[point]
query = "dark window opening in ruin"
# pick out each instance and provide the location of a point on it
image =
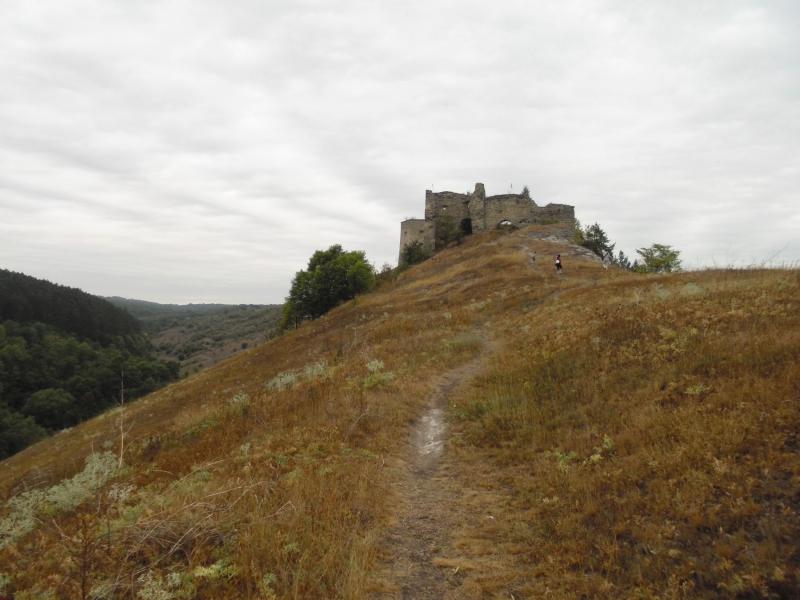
(466, 226)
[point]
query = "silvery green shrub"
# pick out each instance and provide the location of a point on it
(23, 510)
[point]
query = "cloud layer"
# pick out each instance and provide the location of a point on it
(200, 151)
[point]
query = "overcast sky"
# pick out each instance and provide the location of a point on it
(195, 151)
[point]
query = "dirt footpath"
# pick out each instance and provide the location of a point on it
(428, 512)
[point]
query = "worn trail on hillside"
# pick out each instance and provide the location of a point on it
(428, 493)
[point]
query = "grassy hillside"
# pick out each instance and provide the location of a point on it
(201, 335)
(640, 438)
(611, 435)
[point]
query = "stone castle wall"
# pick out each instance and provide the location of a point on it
(417, 230)
(516, 208)
(479, 213)
(555, 212)
(448, 204)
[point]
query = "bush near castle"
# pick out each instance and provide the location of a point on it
(332, 277)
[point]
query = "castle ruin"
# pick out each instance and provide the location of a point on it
(476, 212)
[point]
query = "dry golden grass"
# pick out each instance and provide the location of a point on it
(238, 486)
(644, 435)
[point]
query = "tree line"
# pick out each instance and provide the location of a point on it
(25, 299)
(657, 258)
(62, 356)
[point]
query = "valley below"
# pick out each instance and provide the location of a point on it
(201, 335)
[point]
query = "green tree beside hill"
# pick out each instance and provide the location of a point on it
(17, 431)
(448, 231)
(50, 407)
(333, 276)
(659, 258)
(596, 240)
(413, 253)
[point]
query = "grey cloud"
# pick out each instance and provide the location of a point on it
(204, 150)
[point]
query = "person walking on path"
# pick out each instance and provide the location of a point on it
(558, 263)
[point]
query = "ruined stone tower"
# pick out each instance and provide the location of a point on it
(476, 212)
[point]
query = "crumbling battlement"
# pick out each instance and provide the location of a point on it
(473, 212)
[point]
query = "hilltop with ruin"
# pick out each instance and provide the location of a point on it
(474, 212)
(477, 426)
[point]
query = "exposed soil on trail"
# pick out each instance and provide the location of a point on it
(428, 492)
(424, 554)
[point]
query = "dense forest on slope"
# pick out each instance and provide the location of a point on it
(63, 354)
(201, 335)
(24, 298)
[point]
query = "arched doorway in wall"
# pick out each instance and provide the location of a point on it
(466, 226)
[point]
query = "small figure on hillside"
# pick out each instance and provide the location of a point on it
(558, 263)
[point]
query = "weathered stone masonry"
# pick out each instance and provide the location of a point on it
(476, 212)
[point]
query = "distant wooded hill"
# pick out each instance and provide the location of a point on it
(201, 335)
(24, 299)
(63, 353)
